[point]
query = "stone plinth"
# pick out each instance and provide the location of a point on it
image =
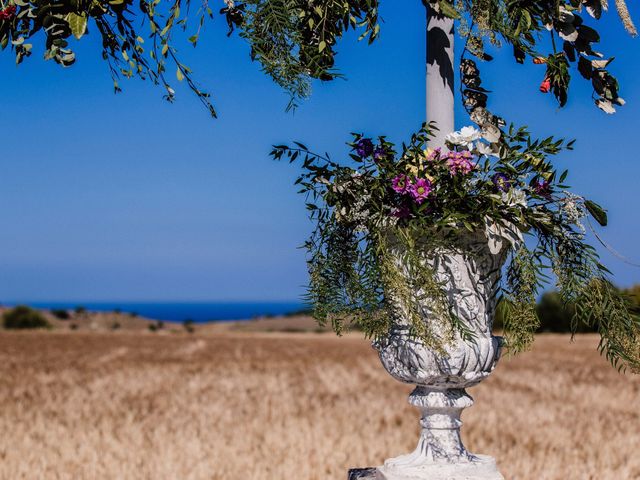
(481, 467)
(364, 474)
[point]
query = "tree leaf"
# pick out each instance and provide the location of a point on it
(77, 24)
(597, 212)
(448, 10)
(585, 68)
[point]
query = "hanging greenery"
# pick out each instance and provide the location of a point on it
(137, 37)
(295, 40)
(382, 193)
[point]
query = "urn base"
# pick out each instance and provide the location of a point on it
(481, 468)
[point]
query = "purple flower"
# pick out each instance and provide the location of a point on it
(502, 182)
(401, 184)
(401, 212)
(364, 147)
(460, 163)
(542, 188)
(420, 190)
(380, 153)
(433, 154)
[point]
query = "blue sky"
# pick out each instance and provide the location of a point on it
(126, 197)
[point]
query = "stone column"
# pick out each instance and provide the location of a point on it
(440, 77)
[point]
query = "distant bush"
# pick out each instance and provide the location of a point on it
(633, 295)
(188, 325)
(155, 326)
(556, 316)
(115, 326)
(305, 312)
(61, 314)
(23, 317)
(80, 310)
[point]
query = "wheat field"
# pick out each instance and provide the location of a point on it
(252, 406)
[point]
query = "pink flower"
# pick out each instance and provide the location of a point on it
(545, 86)
(460, 163)
(401, 184)
(420, 190)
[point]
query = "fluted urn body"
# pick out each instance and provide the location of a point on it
(469, 273)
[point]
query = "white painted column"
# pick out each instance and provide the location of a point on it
(440, 75)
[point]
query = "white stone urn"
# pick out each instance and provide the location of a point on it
(470, 274)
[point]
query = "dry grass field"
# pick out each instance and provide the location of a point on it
(255, 406)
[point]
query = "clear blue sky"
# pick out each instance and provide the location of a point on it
(126, 197)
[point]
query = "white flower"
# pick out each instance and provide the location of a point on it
(514, 198)
(484, 149)
(471, 133)
(573, 209)
(465, 137)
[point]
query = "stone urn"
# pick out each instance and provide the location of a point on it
(470, 274)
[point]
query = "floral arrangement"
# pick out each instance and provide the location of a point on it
(414, 190)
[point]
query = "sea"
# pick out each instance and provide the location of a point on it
(198, 312)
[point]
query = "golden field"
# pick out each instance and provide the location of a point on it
(253, 406)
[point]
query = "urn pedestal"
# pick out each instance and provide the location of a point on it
(470, 274)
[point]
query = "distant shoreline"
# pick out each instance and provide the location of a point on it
(83, 319)
(178, 312)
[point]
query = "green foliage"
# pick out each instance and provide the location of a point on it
(557, 316)
(23, 317)
(633, 295)
(599, 305)
(295, 40)
(519, 301)
(597, 212)
(344, 277)
(121, 24)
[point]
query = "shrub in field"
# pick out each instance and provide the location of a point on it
(61, 314)
(23, 317)
(188, 325)
(155, 326)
